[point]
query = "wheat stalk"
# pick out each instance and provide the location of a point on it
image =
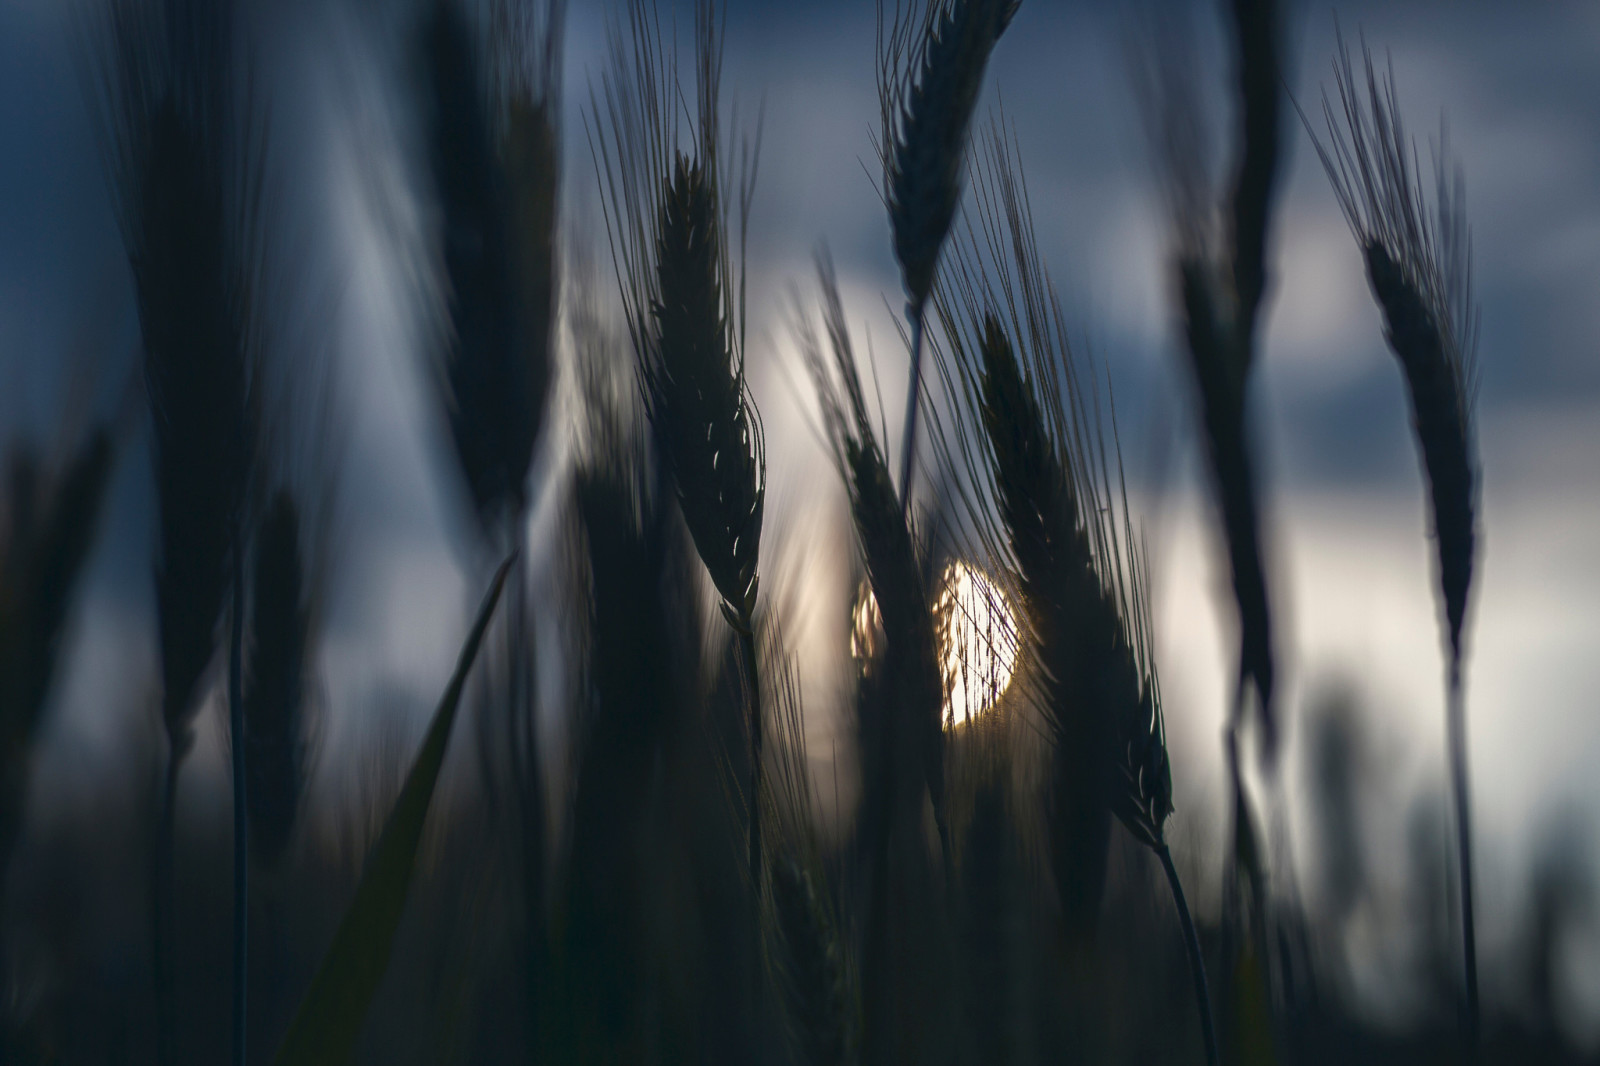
(637, 607)
(1069, 541)
(187, 189)
(1220, 282)
(668, 222)
(930, 69)
(275, 739)
(1420, 271)
(902, 706)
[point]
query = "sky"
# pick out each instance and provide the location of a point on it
(1351, 566)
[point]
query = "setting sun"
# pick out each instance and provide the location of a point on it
(977, 639)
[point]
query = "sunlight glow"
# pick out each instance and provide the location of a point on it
(977, 636)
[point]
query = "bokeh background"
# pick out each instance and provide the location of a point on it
(1519, 86)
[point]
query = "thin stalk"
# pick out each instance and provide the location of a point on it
(1196, 962)
(161, 891)
(908, 445)
(1456, 726)
(747, 651)
(241, 813)
(527, 771)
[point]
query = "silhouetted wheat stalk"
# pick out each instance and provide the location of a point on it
(903, 739)
(495, 162)
(275, 735)
(637, 603)
(1420, 270)
(667, 219)
(186, 168)
(1221, 292)
(1043, 458)
(930, 70)
(1221, 280)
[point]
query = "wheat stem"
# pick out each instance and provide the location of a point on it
(161, 891)
(908, 444)
(1197, 965)
(241, 812)
(747, 651)
(1456, 727)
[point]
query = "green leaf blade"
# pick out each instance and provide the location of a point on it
(330, 1017)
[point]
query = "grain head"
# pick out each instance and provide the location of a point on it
(1419, 264)
(931, 66)
(186, 181)
(1056, 522)
(482, 375)
(697, 396)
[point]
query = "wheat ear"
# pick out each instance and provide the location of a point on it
(930, 69)
(1420, 270)
(903, 738)
(1071, 546)
(711, 435)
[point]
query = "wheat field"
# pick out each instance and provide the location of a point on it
(884, 531)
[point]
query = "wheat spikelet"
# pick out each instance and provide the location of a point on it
(1064, 612)
(1217, 363)
(683, 293)
(46, 532)
(1042, 458)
